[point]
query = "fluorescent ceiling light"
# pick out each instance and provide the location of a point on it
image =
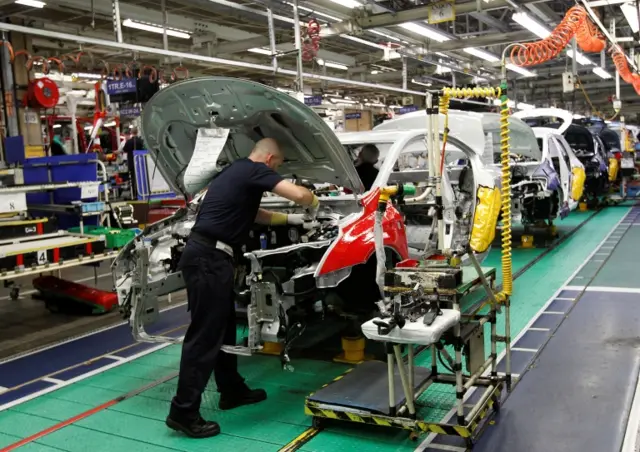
(374, 104)
(321, 62)
(261, 51)
(155, 29)
(348, 3)
(32, 3)
(416, 82)
(581, 59)
(520, 70)
(363, 41)
(343, 101)
(442, 69)
(375, 72)
(523, 106)
(601, 73)
(631, 14)
(531, 24)
(424, 31)
(482, 54)
(110, 124)
(605, 2)
(379, 33)
(316, 12)
(57, 126)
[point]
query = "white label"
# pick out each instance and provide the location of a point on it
(627, 163)
(31, 117)
(203, 163)
(42, 257)
(13, 202)
(89, 191)
(442, 12)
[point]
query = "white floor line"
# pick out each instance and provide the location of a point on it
(448, 448)
(82, 336)
(538, 329)
(601, 254)
(629, 443)
(554, 312)
(55, 381)
(597, 260)
(528, 350)
(574, 288)
(114, 357)
(613, 289)
(566, 299)
(427, 441)
(82, 377)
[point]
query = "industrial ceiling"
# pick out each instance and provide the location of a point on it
(380, 50)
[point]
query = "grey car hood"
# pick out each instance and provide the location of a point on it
(251, 111)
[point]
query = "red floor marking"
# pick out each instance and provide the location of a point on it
(60, 425)
(88, 413)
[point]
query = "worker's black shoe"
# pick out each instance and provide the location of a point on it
(242, 396)
(197, 428)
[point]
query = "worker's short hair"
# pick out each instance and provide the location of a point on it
(369, 153)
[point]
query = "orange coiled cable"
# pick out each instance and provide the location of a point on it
(575, 23)
(622, 66)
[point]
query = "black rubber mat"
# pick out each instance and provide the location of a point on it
(366, 388)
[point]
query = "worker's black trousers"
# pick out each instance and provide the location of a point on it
(209, 280)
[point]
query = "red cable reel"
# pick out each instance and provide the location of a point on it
(311, 41)
(42, 93)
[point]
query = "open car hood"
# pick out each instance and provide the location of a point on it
(536, 117)
(250, 111)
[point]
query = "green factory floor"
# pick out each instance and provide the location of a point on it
(137, 424)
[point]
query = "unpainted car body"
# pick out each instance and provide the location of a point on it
(536, 185)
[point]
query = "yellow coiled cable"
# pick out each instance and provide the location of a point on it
(447, 94)
(507, 270)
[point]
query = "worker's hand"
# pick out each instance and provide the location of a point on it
(312, 210)
(296, 219)
(302, 219)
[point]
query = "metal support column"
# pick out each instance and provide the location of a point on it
(165, 20)
(9, 98)
(298, 43)
(272, 40)
(404, 72)
(117, 25)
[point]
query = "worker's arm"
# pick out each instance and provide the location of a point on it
(295, 193)
(264, 216)
(299, 195)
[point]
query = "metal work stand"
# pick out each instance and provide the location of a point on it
(357, 395)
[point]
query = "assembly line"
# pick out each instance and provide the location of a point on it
(206, 253)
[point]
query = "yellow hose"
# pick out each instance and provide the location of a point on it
(507, 270)
(447, 94)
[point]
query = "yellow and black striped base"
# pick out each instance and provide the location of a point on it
(416, 425)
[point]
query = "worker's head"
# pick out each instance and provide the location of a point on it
(369, 154)
(268, 152)
(134, 131)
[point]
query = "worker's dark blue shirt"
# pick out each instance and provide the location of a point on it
(232, 201)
